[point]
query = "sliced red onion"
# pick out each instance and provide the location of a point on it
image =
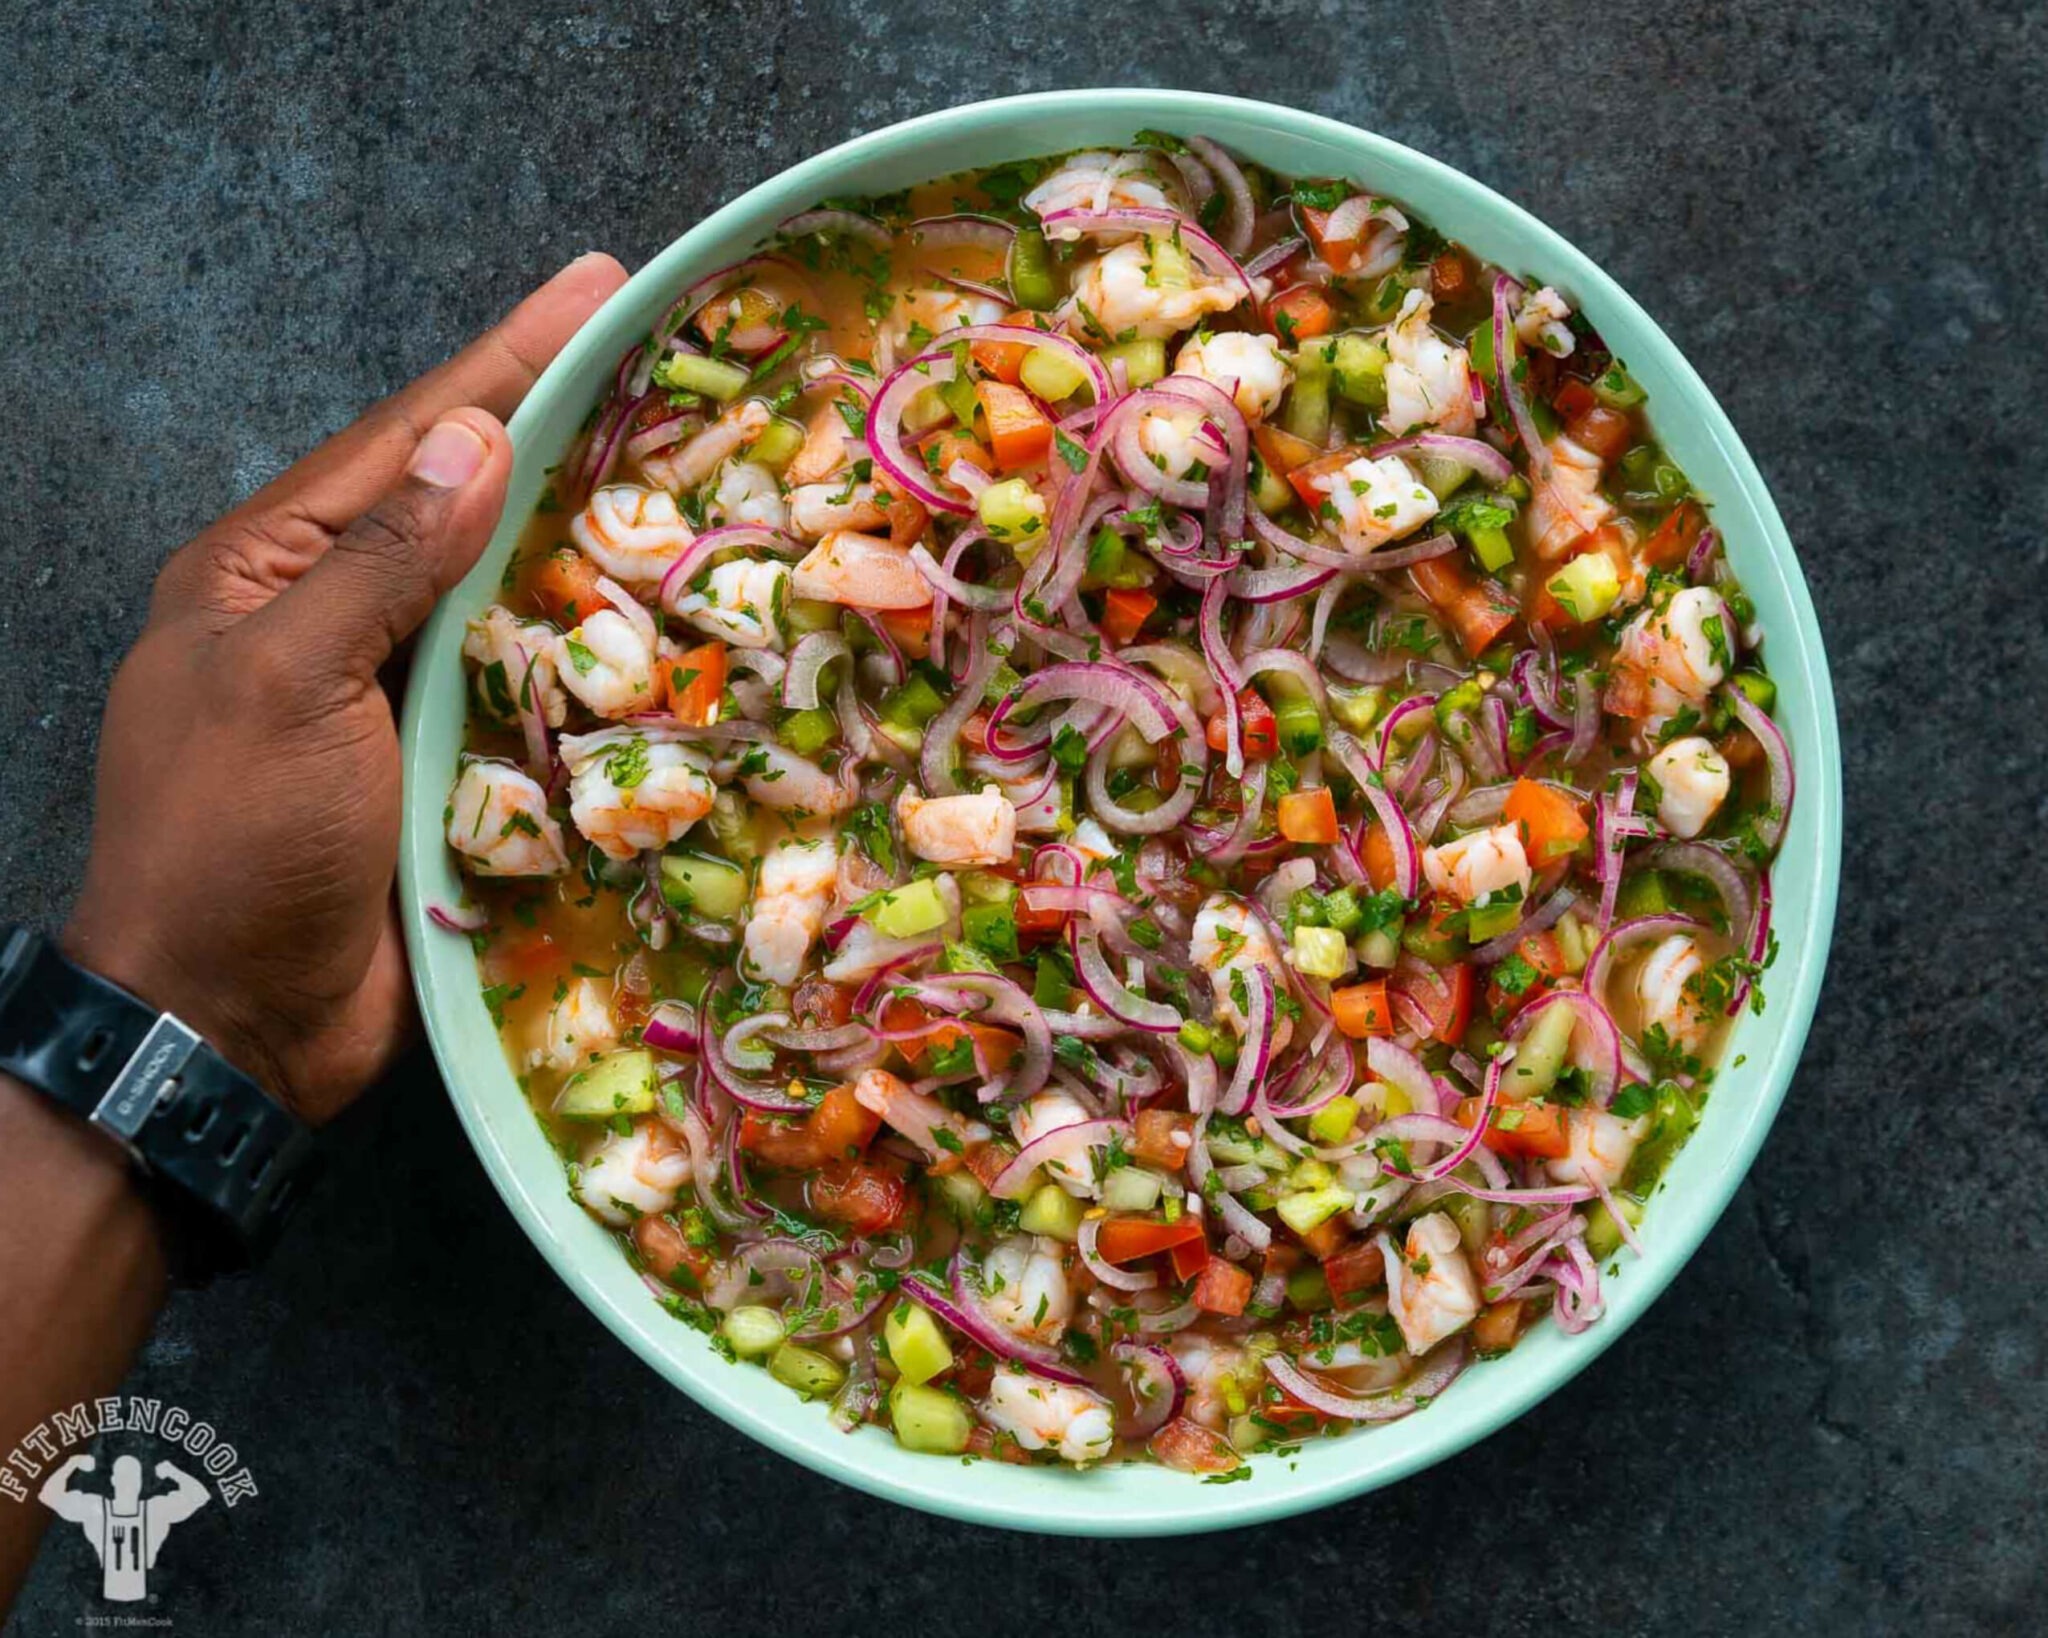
(1699, 562)
(1438, 1370)
(1475, 455)
(1275, 256)
(1158, 1387)
(1495, 951)
(1714, 866)
(1236, 234)
(1117, 1279)
(1053, 1145)
(1596, 1041)
(1613, 825)
(1255, 1051)
(737, 537)
(1759, 942)
(943, 580)
(734, 1082)
(836, 221)
(1237, 1217)
(468, 918)
(671, 1027)
(1770, 826)
(1624, 937)
(1002, 1002)
(962, 228)
(1505, 291)
(1108, 993)
(1400, 834)
(1159, 224)
(1399, 1067)
(963, 1309)
(807, 661)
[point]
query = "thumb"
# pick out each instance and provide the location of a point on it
(382, 576)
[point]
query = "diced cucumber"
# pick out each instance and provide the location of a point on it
(1295, 717)
(929, 1420)
(806, 614)
(1306, 413)
(1012, 511)
(1587, 587)
(1572, 943)
(1643, 894)
(812, 1374)
(1144, 361)
(1357, 708)
(1359, 365)
(808, 732)
(1273, 493)
(914, 704)
(619, 1083)
(1762, 692)
(985, 887)
(965, 958)
(1308, 1289)
(963, 1196)
(778, 445)
(1309, 1173)
(1603, 1234)
(703, 885)
(927, 409)
(1051, 1211)
(1131, 1188)
(1106, 556)
(1489, 921)
(1051, 374)
(1333, 1122)
(753, 1330)
(916, 1343)
(1540, 1056)
(1474, 1219)
(1388, 1099)
(1442, 477)
(958, 394)
(1617, 389)
(904, 912)
(1320, 952)
(1228, 1148)
(691, 372)
(1308, 1210)
(1169, 267)
(1381, 947)
(731, 823)
(1435, 944)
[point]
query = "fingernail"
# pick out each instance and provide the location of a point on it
(449, 455)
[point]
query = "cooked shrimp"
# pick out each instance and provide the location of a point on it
(1045, 1415)
(691, 462)
(860, 572)
(633, 789)
(747, 492)
(1247, 366)
(580, 1024)
(1026, 1282)
(1567, 502)
(1376, 501)
(779, 778)
(624, 1178)
(960, 830)
(1428, 378)
(817, 509)
(741, 600)
(1667, 992)
(1479, 864)
(791, 899)
(824, 451)
(1217, 1378)
(926, 312)
(1070, 1164)
(635, 535)
(1692, 783)
(1097, 181)
(1601, 1145)
(918, 1117)
(608, 663)
(522, 650)
(1431, 1291)
(1540, 322)
(1671, 658)
(498, 821)
(1175, 440)
(1231, 941)
(1129, 289)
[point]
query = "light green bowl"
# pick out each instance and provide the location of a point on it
(1137, 1500)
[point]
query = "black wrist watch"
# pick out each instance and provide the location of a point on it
(223, 1162)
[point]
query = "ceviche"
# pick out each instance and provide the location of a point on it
(1116, 809)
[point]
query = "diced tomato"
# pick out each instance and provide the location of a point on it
(988, 1161)
(1362, 1009)
(942, 449)
(838, 1128)
(910, 629)
(1377, 854)
(1548, 820)
(1040, 922)
(998, 1046)
(1326, 1239)
(1450, 1012)
(1606, 432)
(1304, 476)
(694, 682)
(1124, 611)
(1531, 1129)
(1126, 1239)
(566, 587)
(1540, 951)
(1188, 1258)
(1354, 1271)
(1572, 398)
(1223, 1288)
(667, 1251)
(1161, 1138)
(1281, 450)
(1309, 816)
(1188, 1447)
(1449, 277)
(1478, 611)
(820, 1004)
(1497, 1326)
(867, 1199)
(1004, 359)
(1256, 730)
(1672, 541)
(1018, 431)
(1301, 314)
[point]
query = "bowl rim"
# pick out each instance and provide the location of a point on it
(1100, 1503)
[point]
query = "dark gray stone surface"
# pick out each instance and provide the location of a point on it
(225, 229)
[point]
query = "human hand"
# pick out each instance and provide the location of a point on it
(245, 834)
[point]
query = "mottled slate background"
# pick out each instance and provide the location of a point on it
(224, 229)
